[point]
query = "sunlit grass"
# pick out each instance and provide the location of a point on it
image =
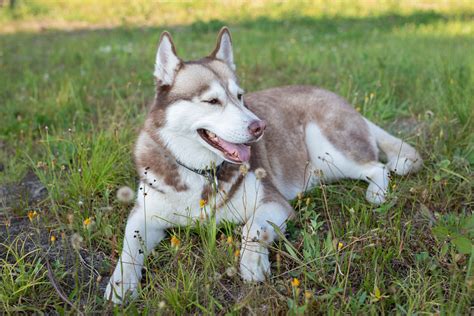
(71, 104)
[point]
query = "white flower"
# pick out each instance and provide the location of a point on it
(125, 194)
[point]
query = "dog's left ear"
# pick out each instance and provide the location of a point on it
(223, 50)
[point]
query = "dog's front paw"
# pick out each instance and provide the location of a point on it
(254, 264)
(121, 286)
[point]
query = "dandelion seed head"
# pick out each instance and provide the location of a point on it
(260, 173)
(76, 241)
(125, 194)
(231, 271)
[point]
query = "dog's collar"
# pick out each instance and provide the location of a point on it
(210, 174)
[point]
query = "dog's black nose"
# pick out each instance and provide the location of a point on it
(256, 128)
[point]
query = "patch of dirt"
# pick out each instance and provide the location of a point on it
(29, 189)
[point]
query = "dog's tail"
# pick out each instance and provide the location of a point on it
(401, 157)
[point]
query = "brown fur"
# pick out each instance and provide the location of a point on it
(291, 108)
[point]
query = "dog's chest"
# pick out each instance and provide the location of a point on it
(201, 198)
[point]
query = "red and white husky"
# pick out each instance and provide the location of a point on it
(201, 118)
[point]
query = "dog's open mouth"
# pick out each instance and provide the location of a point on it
(237, 153)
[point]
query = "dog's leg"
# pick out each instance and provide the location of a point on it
(401, 157)
(142, 234)
(257, 234)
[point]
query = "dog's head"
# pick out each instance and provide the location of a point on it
(199, 110)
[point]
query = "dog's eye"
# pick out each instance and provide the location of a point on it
(239, 96)
(213, 101)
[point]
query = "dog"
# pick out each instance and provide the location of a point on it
(203, 140)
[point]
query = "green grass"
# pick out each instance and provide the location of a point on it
(75, 81)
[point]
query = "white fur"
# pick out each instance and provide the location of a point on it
(229, 121)
(333, 165)
(166, 62)
(401, 157)
(159, 206)
(225, 52)
(154, 212)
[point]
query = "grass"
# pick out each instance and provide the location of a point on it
(75, 81)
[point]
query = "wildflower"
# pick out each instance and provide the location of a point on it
(76, 241)
(377, 295)
(300, 196)
(175, 242)
(308, 201)
(237, 253)
(52, 238)
(231, 271)
(340, 245)
(229, 240)
(216, 276)
(260, 173)
(70, 218)
(161, 305)
(125, 194)
(308, 295)
(202, 203)
(41, 165)
(80, 203)
(295, 282)
(243, 169)
(32, 215)
(87, 222)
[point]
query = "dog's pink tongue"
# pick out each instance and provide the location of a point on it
(240, 150)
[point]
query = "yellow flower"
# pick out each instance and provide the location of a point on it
(87, 222)
(52, 238)
(339, 246)
(229, 240)
(295, 282)
(237, 253)
(308, 295)
(175, 242)
(377, 295)
(202, 203)
(32, 215)
(243, 169)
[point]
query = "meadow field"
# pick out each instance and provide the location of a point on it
(75, 83)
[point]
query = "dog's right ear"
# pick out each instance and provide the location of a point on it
(167, 62)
